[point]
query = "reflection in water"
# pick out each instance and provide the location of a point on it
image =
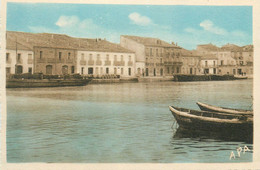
(117, 122)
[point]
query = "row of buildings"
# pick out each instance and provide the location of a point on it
(56, 54)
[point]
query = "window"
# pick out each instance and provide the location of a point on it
(30, 56)
(82, 56)
(160, 60)
(122, 57)
(82, 70)
(178, 70)
(72, 69)
(18, 56)
(151, 52)
(8, 70)
(40, 54)
(206, 63)
(60, 55)
(122, 71)
(7, 56)
(168, 70)
(107, 57)
(129, 71)
(130, 58)
(90, 56)
(157, 53)
(222, 62)
(29, 69)
(214, 63)
(107, 70)
(68, 55)
(115, 58)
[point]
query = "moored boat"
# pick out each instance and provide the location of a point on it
(240, 77)
(222, 125)
(207, 107)
(29, 83)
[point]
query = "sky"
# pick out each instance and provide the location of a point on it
(188, 26)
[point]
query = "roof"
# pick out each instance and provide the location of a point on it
(248, 48)
(27, 41)
(188, 53)
(149, 41)
(231, 47)
(208, 47)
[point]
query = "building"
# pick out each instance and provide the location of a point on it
(100, 57)
(208, 64)
(191, 62)
(154, 57)
(57, 54)
(232, 59)
(19, 56)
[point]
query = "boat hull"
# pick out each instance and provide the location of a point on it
(232, 131)
(207, 107)
(31, 83)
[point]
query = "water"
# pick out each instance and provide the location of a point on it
(117, 123)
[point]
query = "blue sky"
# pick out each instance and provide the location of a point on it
(186, 25)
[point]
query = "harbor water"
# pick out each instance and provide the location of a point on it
(118, 123)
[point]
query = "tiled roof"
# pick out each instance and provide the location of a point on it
(188, 53)
(231, 47)
(209, 47)
(148, 41)
(29, 40)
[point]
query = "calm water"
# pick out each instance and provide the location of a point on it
(117, 123)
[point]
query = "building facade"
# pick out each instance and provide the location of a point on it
(102, 63)
(154, 57)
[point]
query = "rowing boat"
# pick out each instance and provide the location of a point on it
(222, 125)
(207, 107)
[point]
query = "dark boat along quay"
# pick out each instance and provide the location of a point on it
(28, 80)
(121, 123)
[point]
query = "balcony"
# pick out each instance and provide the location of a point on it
(30, 61)
(90, 62)
(98, 62)
(50, 60)
(69, 61)
(19, 61)
(60, 61)
(130, 63)
(41, 60)
(159, 64)
(83, 62)
(119, 63)
(173, 63)
(107, 63)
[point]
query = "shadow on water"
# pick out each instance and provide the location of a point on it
(206, 135)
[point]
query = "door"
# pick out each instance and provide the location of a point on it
(64, 69)
(49, 69)
(19, 69)
(90, 70)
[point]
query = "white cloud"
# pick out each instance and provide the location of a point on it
(138, 19)
(67, 21)
(209, 26)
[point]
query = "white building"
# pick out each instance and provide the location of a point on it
(100, 57)
(19, 57)
(209, 64)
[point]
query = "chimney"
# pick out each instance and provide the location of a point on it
(176, 44)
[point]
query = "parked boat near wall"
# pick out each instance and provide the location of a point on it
(213, 77)
(207, 107)
(29, 83)
(223, 126)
